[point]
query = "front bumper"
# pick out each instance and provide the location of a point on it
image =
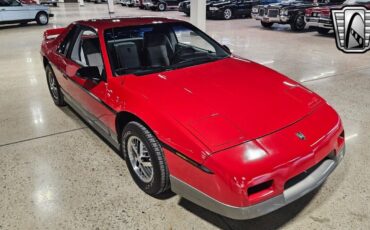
(214, 14)
(308, 184)
(319, 22)
(265, 18)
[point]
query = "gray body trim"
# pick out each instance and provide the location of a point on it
(311, 182)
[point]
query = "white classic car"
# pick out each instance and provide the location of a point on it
(13, 11)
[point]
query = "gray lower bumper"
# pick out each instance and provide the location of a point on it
(314, 180)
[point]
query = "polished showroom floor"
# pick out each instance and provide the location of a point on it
(56, 173)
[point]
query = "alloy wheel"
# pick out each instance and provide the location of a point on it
(139, 157)
(53, 85)
(227, 14)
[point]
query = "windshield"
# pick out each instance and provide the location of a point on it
(152, 48)
(356, 2)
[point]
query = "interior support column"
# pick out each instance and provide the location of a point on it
(198, 13)
(111, 6)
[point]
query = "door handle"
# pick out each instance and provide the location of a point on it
(2, 9)
(65, 76)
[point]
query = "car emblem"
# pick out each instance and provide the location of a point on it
(301, 136)
(352, 29)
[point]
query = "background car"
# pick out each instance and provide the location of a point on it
(12, 11)
(288, 12)
(319, 18)
(228, 9)
(185, 6)
(130, 3)
(161, 5)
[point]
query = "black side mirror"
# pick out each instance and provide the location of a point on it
(89, 72)
(226, 48)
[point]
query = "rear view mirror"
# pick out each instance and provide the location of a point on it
(89, 72)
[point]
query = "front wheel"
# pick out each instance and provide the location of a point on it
(145, 159)
(161, 7)
(42, 18)
(54, 88)
(298, 23)
(267, 24)
(228, 14)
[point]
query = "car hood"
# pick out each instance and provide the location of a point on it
(230, 101)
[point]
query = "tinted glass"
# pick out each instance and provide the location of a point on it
(65, 45)
(156, 47)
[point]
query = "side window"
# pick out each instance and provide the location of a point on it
(188, 37)
(65, 45)
(13, 3)
(86, 50)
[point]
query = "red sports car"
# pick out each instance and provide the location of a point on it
(224, 132)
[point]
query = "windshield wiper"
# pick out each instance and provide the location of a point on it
(198, 60)
(150, 70)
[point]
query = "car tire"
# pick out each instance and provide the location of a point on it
(55, 4)
(161, 6)
(267, 24)
(42, 18)
(323, 31)
(152, 178)
(54, 88)
(227, 14)
(298, 23)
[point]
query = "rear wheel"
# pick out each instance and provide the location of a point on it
(42, 18)
(298, 23)
(228, 14)
(161, 6)
(54, 88)
(267, 24)
(55, 4)
(145, 159)
(323, 31)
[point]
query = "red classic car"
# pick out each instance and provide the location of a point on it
(224, 132)
(320, 17)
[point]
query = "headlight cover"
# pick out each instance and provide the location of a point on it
(254, 10)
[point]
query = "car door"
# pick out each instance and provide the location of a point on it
(14, 11)
(243, 7)
(87, 96)
(171, 3)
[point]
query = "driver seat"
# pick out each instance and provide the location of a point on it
(158, 49)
